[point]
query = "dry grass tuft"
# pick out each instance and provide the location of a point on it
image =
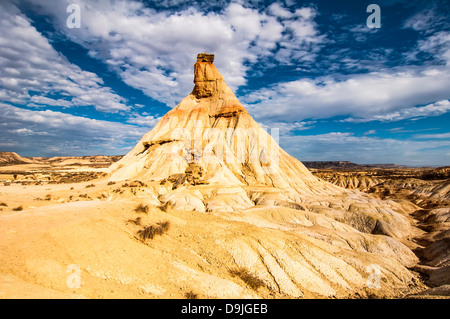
(151, 231)
(141, 208)
(247, 277)
(190, 295)
(136, 221)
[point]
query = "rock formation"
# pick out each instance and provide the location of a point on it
(246, 220)
(209, 155)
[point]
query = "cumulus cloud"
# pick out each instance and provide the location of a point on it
(31, 70)
(427, 21)
(143, 119)
(360, 94)
(49, 133)
(433, 109)
(154, 51)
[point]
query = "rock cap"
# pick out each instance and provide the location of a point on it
(205, 57)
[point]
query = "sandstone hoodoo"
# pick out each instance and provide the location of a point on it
(212, 131)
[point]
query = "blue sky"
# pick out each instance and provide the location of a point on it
(335, 88)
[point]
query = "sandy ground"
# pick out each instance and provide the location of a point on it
(81, 240)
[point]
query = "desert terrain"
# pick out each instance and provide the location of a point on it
(51, 212)
(182, 217)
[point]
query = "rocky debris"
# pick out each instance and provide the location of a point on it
(433, 293)
(430, 190)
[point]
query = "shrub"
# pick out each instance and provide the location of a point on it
(18, 208)
(247, 277)
(151, 231)
(141, 208)
(111, 183)
(3, 204)
(136, 221)
(190, 295)
(90, 185)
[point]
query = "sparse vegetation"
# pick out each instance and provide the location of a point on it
(18, 208)
(136, 221)
(151, 231)
(190, 295)
(118, 190)
(137, 183)
(141, 208)
(85, 196)
(102, 196)
(253, 281)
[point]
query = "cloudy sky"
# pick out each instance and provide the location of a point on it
(335, 88)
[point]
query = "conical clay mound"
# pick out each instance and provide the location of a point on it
(209, 154)
(211, 133)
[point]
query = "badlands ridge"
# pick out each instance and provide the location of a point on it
(207, 205)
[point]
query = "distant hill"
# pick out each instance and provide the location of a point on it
(11, 158)
(346, 165)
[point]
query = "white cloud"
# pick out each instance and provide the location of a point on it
(30, 64)
(154, 51)
(361, 95)
(432, 136)
(144, 120)
(370, 132)
(49, 133)
(433, 109)
(277, 10)
(427, 21)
